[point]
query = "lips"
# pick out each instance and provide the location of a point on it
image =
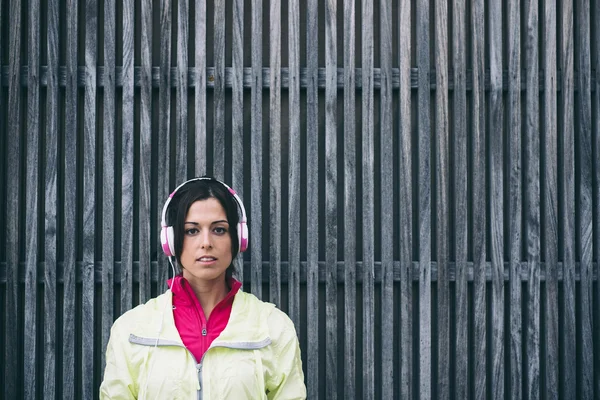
(206, 259)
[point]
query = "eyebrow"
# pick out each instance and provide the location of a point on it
(212, 223)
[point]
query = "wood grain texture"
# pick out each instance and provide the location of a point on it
(405, 201)
(514, 197)
(275, 150)
(51, 204)
(350, 211)
(181, 109)
(331, 188)
(164, 128)
(294, 164)
(496, 165)
(256, 140)
(237, 109)
(567, 214)
(368, 211)
(386, 171)
(70, 164)
(312, 205)
(89, 201)
(532, 200)
(584, 133)
(107, 174)
(595, 39)
(550, 196)
(442, 171)
(219, 91)
(201, 128)
(478, 146)
(32, 146)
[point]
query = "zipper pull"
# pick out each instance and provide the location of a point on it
(203, 331)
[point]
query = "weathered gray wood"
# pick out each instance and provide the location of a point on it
(532, 200)
(387, 202)
(550, 214)
(219, 92)
(200, 88)
(70, 163)
(164, 128)
(368, 212)
(567, 214)
(331, 223)
(596, 168)
(312, 204)
(108, 175)
(584, 154)
(256, 126)
(275, 152)
(237, 109)
(405, 201)
(460, 195)
(128, 169)
(51, 204)
(442, 188)
(32, 147)
(12, 375)
(89, 202)
(294, 164)
(478, 147)
(514, 196)
(181, 115)
(350, 221)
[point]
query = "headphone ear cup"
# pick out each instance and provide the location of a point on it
(167, 240)
(242, 230)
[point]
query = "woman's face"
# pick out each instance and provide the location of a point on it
(206, 250)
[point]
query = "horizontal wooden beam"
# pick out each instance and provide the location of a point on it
(247, 79)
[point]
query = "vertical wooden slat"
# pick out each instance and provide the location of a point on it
(275, 152)
(30, 344)
(146, 247)
(460, 195)
(219, 81)
(200, 91)
(181, 121)
(479, 198)
(349, 200)
(532, 199)
(442, 189)
(294, 163)
(89, 201)
(424, 198)
(312, 204)
(405, 200)
(496, 163)
(515, 201)
(550, 216)
(584, 126)
(387, 202)
(596, 168)
(368, 212)
(108, 173)
(127, 169)
(70, 164)
(164, 109)
(237, 117)
(567, 135)
(51, 205)
(256, 151)
(330, 198)
(12, 374)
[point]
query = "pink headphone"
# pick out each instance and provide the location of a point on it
(167, 235)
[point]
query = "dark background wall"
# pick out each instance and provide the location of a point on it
(422, 180)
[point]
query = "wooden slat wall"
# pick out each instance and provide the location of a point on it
(422, 180)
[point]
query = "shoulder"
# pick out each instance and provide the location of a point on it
(279, 324)
(141, 315)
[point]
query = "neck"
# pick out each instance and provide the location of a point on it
(209, 293)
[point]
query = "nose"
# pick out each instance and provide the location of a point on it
(205, 240)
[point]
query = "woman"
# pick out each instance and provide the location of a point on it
(204, 338)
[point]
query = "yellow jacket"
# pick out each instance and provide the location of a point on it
(257, 356)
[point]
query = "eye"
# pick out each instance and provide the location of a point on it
(219, 230)
(191, 231)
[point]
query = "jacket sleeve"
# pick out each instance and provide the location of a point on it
(120, 379)
(287, 380)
